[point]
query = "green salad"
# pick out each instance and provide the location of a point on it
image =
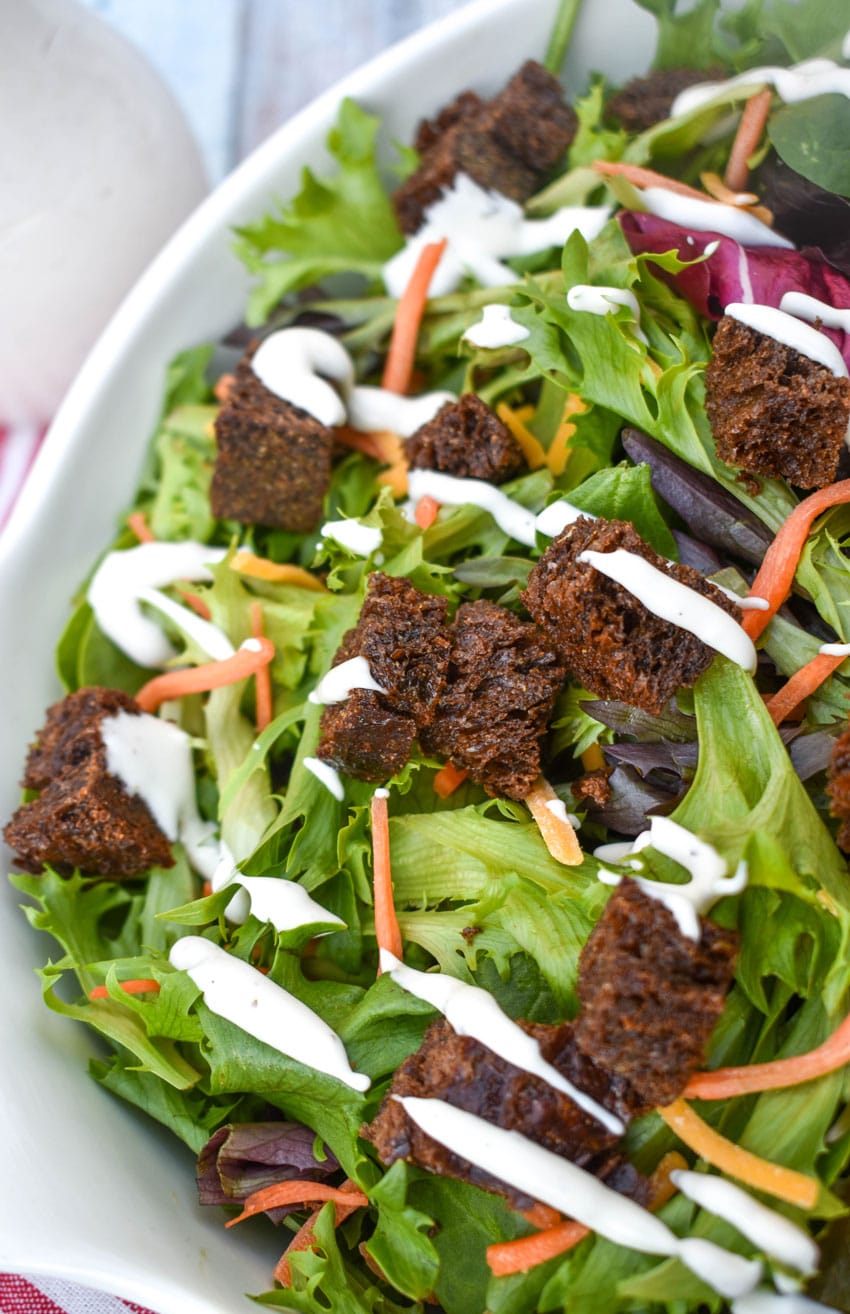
(342, 791)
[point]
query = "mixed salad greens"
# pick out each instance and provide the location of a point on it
(619, 421)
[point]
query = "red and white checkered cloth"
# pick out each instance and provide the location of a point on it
(21, 1295)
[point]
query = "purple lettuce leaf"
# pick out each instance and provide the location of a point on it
(663, 755)
(736, 273)
(244, 1157)
(699, 556)
(711, 514)
(632, 800)
(810, 753)
(624, 720)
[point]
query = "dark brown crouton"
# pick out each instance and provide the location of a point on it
(643, 102)
(650, 996)
(274, 460)
(610, 641)
(464, 1073)
(466, 439)
(84, 817)
(506, 144)
(503, 677)
(403, 635)
(593, 787)
(773, 411)
(364, 738)
(838, 787)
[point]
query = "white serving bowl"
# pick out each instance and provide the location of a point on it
(91, 1190)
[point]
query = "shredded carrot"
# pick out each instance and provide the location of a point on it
(747, 138)
(381, 445)
(526, 1252)
(196, 603)
(541, 1215)
(661, 1189)
(411, 307)
(137, 987)
(716, 187)
(305, 1236)
(387, 929)
(448, 778)
(211, 675)
(559, 449)
(784, 1183)
(138, 522)
(558, 834)
(296, 1193)
(776, 573)
(426, 511)
(224, 387)
(725, 1083)
(246, 563)
(592, 758)
(532, 448)
(802, 683)
(635, 173)
(262, 677)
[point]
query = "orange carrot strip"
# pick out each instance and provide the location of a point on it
(716, 187)
(527, 1252)
(426, 511)
(635, 173)
(776, 573)
(784, 1183)
(262, 677)
(140, 986)
(224, 387)
(747, 138)
(386, 923)
(411, 307)
(247, 563)
(383, 446)
(296, 1193)
(211, 675)
(661, 1189)
(592, 759)
(532, 448)
(726, 1083)
(138, 522)
(801, 684)
(197, 604)
(305, 1236)
(448, 779)
(541, 1215)
(558, 834)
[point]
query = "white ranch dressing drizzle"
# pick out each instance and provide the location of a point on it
(812, 77)
(153, 760)
(771, 1232)
(558, 808)
(545, 1176)
(234, 990)
(122, 577)
(290, 364)
(752, 602)
(769, 1302)
(381, 793)
(835, 649)
(484, 228)
(285, 904)
(496, 328)
(675, 602)
(474, 1012)
(809, 308)
(326, 775)
(711, 217)
(709, 881)
(553, 519)
(207, 636)
(514, 520)
(791, 332)
(337, 684)
(604, 301)
(360, 539)
(376, 410)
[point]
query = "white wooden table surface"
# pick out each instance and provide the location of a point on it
(240, 68)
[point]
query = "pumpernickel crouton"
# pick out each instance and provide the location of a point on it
(650, 996)
(772, 410)
(611, 643)
(506, 144)
(83, 817)
(503, 677)
(404, 637)
(645, 101)
(273, 461)
(468, 440)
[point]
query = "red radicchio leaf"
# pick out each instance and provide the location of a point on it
(735, 273)
(241, 1158)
